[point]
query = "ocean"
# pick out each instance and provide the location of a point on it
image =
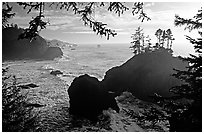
(94, 60)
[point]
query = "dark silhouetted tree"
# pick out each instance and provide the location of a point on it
(192, 77)
(158, 35)
(185, 108)
(170, 38)
(138, 41)
(16, 116)
(142, 43)
(6, 14)
(163, 38)
(148, 47)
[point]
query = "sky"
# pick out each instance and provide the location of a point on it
(66, 26)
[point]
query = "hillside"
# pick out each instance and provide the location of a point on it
(58, 43)
(145, 74)
(13, 48)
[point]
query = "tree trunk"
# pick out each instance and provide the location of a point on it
(167, 43)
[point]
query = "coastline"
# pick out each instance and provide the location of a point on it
(51, 93)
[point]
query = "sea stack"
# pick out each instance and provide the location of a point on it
(88, 98)
(145, 74)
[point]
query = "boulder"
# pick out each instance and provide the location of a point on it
(28, 86)
(88, 98)
(145, 74)
(56, 72)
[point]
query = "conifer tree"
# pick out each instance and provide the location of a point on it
(6, 14)
(17, 116)
(83, 9)
(185, 109)
(191, 117)
(158, 35)
(170, 38)
(137, 42)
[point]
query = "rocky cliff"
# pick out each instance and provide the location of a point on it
(60, 44)
(145, 74)
(12, 48)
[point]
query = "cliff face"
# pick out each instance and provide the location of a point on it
(145, 74)
(12, 48)
(60, 44)
(57, 43)
(52, 52)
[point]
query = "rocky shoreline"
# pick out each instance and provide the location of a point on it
(14, 48)
(53, 113)
(51, 91)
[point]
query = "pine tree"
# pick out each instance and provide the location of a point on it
(16, 115)
(83, 9)
(137, 43)
(158, 35)
(163, 38)
(185, 108)
(191, 118)
(6, 14)
(169, 38)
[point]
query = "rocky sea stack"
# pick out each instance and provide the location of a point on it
(145, 74)
(88, 98)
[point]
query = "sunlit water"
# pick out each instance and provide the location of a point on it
(90, 59)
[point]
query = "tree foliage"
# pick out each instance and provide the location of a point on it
(192, 87)
(190, 24)
(164, 37)
(142, 43)
(138, 41)
(84, 10)
(16, 116)
(186, 107)
(169, 37)
(158, 34)
(138, 9)
(6, 14)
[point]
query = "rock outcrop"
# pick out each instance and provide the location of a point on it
(145, 74)
(56, 72)
(88, 98)
(28, 86)
(57, 43)
(14, 49)
(52, 52)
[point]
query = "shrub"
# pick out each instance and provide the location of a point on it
(16, 116)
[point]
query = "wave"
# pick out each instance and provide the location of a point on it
(88, 59)
(48, 67)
